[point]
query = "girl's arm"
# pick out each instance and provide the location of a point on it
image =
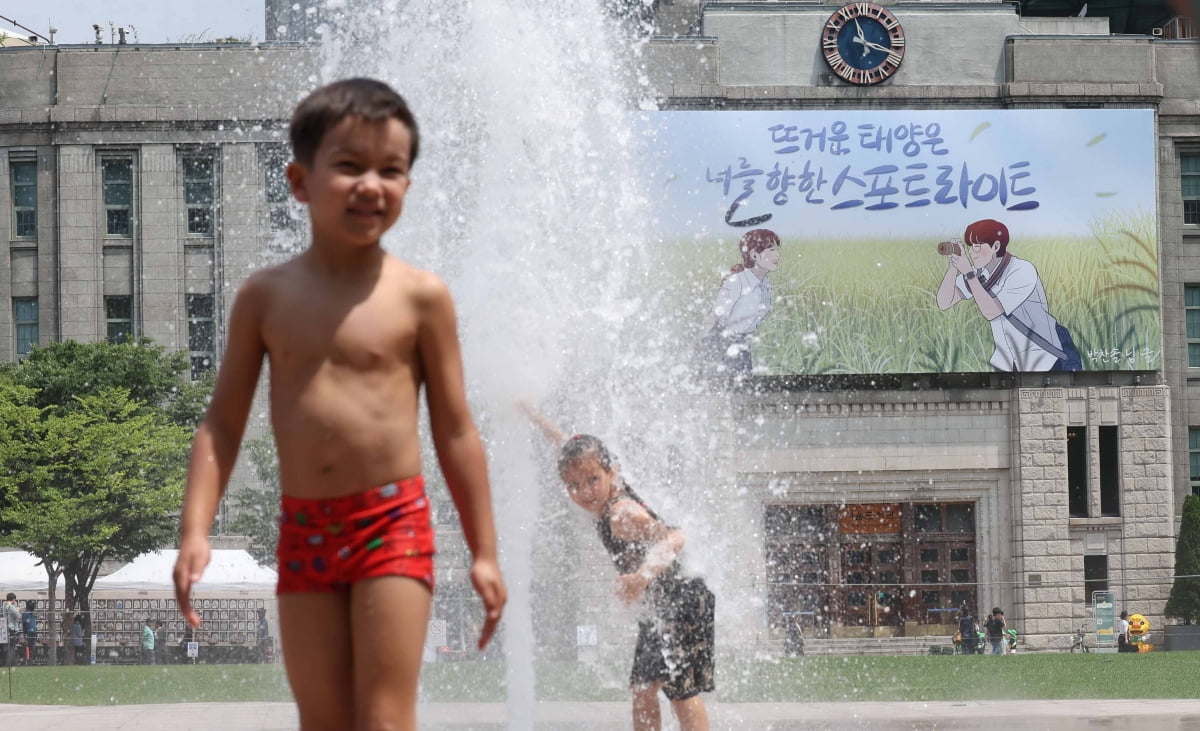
(632, 522)
(549, 429)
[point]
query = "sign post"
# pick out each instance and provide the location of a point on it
(1102, 612)
(435, 637)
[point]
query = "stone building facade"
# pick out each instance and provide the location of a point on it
(1074, 482)
(140, 184)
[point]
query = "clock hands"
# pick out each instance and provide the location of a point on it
(860, 38)
(868, 46)
(875, 46)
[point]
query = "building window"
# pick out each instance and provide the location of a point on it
(117, 174)
(1077, 483)
(1194, 457)
(1110, 471)
(1189, 166)
(118, 313)
(1191, 303)
(24, 198)
(1095, 576)
(202, 339)
(797, 564)
(25, 318)
(929, 518)
(960, 518)
(198, 197)
(274, 159)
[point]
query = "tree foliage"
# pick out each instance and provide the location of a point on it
(93, 454)
(1184, 602)
(156, 379)
(257, 511)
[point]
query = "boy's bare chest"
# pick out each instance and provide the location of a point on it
(366, 333)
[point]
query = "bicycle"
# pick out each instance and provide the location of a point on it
(1077, 642)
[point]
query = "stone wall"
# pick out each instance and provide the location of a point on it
(1050, 544)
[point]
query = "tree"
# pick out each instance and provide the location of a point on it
(1184, 602)
(155, 379)
(93, 449)
(101, 482)
(257, 511)
(25, 452)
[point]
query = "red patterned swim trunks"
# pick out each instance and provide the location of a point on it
(327, 545)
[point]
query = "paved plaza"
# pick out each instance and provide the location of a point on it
(1110, 715)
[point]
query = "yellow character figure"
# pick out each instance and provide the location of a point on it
(1139, 632)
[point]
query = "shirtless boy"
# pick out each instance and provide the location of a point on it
(351, 334)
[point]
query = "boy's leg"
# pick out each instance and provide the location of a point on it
(646, 715)
(314, 629)
(692, 714)
(389, 615)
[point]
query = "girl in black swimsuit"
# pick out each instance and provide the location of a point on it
(675, 632)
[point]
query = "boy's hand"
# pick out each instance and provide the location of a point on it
(194, 555)
(489, 585)
(631, 586)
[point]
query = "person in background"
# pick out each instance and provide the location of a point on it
(966, 630)
(263, 635)
(30, 629)
(995, 626)
(77, 638)
(1123, 642)
(147, 642)
(12, 619)
(160, 643)
(189, 635)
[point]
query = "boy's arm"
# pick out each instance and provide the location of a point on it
(215, 447)
(948, 294)
(632, 522)
(459, 448)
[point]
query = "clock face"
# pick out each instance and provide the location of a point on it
(863, 43)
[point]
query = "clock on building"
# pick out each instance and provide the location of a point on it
(863, 43)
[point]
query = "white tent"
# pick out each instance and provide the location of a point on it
(23, 572)
(228, 570)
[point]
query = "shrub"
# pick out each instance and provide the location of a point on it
(1184, 603)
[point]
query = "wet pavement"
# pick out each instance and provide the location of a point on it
(1108, 715)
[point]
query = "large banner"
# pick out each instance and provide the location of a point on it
(820, 242)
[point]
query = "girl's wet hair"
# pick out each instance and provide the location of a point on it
(580, 446)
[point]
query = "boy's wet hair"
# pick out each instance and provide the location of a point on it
(324, 108)
(580, 446)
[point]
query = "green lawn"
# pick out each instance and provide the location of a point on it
(928, 678)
